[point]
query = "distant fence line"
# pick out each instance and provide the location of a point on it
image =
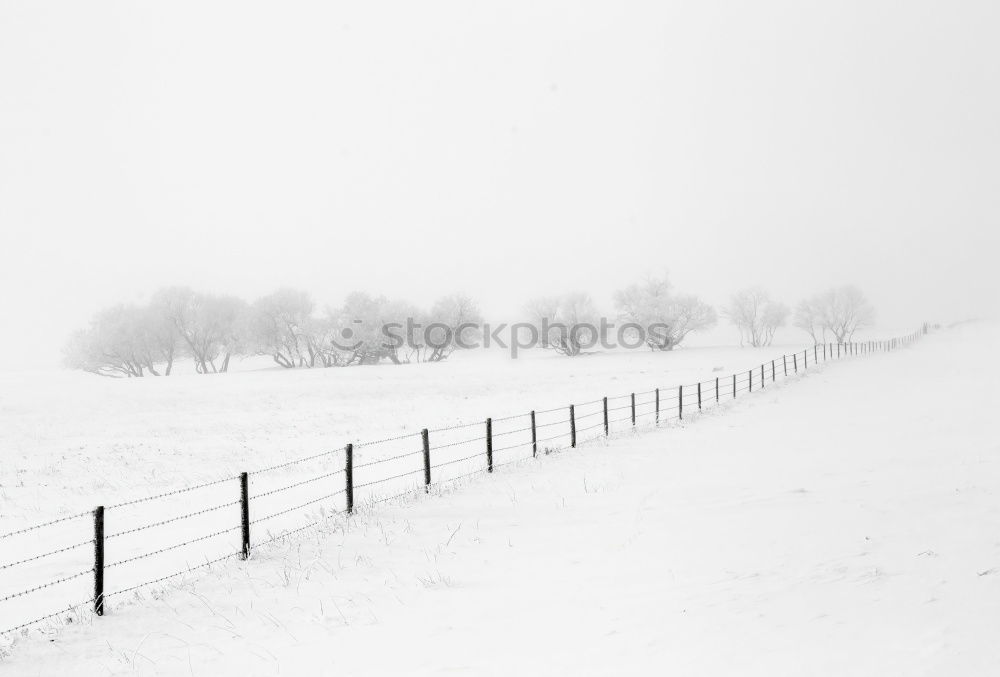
(659, 405)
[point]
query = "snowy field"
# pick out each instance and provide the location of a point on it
(71, 441)
(836, 524)
(67, 438)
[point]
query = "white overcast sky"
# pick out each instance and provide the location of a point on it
(505, 149)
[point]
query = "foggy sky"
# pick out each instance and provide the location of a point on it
(503, 149)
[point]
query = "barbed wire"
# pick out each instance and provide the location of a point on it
(549, 411)
(45, 618)
(293, 462)
(298, 484)
(546, 425)
(458, 426)
(386, 460)
(285, 534)
(480, 471)
(46, 585)
(173, 575)
(388, 479)
(42, 525)
(361, 445)
(171, 520)
(554, 437)
(511, 417)
(509, 447)
(174, 492)
(45, 554)
(511, 432)
(171, 547)
(409, 492)
(298, 507)
(459, 460)
(460, 442)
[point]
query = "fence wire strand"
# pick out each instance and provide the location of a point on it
(171, 520)
(46, 617)
(22, 593)
(35, 527)
(46, 554)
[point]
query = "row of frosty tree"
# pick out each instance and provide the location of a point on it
(211, 329)
(834, 315)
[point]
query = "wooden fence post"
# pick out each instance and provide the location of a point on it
(425, 441)
(99, 560)
(680, 402)
(657, 406)
(716, 389)
(750, 375)
(773, 372)
(245, 513)
(607, 429)
(489, 445)
(572, 426)
(795, 362)
(633, 409)
(534, 436)
(349, 477)
(734, 386)
(699, 395)
(784, 363)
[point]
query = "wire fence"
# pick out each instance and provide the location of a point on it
(273, 503)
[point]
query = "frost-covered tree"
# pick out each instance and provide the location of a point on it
(321, 335)
(840, 311)
(756, 316)
(376, 328)
(161, 339)
(360, 321)
(808, 317)
(452, 321)
(567, 324)
(279, 325)
(209, 326)
(666, 318)
(124, 341)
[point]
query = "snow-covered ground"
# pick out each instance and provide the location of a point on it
(840, 524)
(70, 441)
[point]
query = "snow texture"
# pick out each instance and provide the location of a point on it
(839, 523)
